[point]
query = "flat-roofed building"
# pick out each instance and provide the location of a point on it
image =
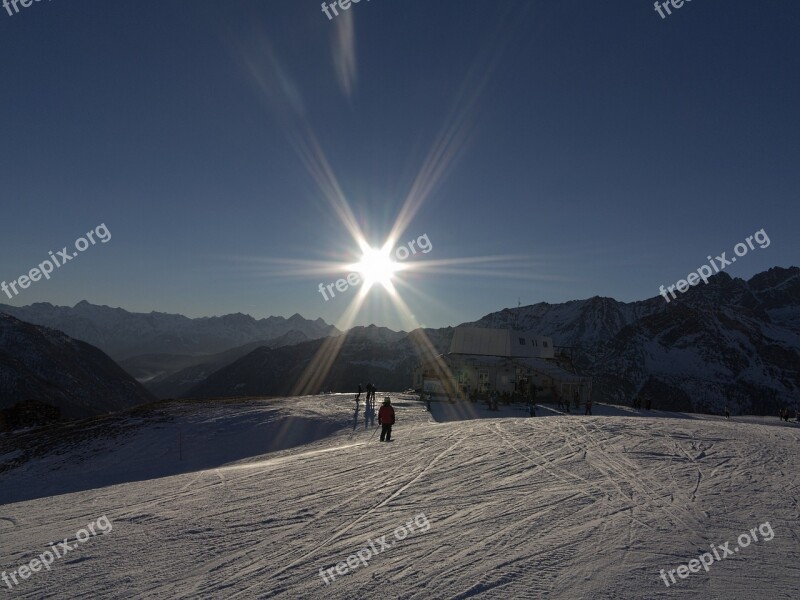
(483, 360)
(500, 342)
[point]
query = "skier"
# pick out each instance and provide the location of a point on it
(727, 412)
(428, 401)
(358, 395)
(588, 407)
(386, 419)
(563, 402)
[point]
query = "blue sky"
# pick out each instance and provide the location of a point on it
(598, 148)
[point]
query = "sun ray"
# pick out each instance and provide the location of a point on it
(318, 368)
(375, 265)
(424, 348)
(455, 133)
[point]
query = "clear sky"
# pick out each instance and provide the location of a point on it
(549, 150)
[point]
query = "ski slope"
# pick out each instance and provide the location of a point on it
(251, 499)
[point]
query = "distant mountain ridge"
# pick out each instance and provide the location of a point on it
(730, 342)
(368, 354)
(123, 334)
(173, 385)
(586, 323)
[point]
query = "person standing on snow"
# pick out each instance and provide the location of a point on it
(588, 407)
(371, 394)
(531, 406)
(358, 395)
(386, 419)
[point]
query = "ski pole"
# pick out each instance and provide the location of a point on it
(373, 435)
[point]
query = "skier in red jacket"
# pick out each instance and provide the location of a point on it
(386, 419)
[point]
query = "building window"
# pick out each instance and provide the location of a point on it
(521, 341)
(544, 344)
(533, 342)
(483, 381)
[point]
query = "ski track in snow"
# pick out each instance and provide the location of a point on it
(566, 507)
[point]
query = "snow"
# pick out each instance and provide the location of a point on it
(261, 494)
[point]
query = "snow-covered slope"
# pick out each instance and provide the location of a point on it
(562, 507)
(577, 323)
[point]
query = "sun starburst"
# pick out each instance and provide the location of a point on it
(376, 266)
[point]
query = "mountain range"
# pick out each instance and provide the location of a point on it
(730, 342)
(122, 334)
(367, 354)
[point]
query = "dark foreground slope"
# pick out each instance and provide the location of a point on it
(46, 366)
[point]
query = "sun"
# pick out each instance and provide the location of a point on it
(376, 266)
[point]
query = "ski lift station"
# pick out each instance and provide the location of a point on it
(483, 360)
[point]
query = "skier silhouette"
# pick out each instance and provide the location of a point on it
(386, 420)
